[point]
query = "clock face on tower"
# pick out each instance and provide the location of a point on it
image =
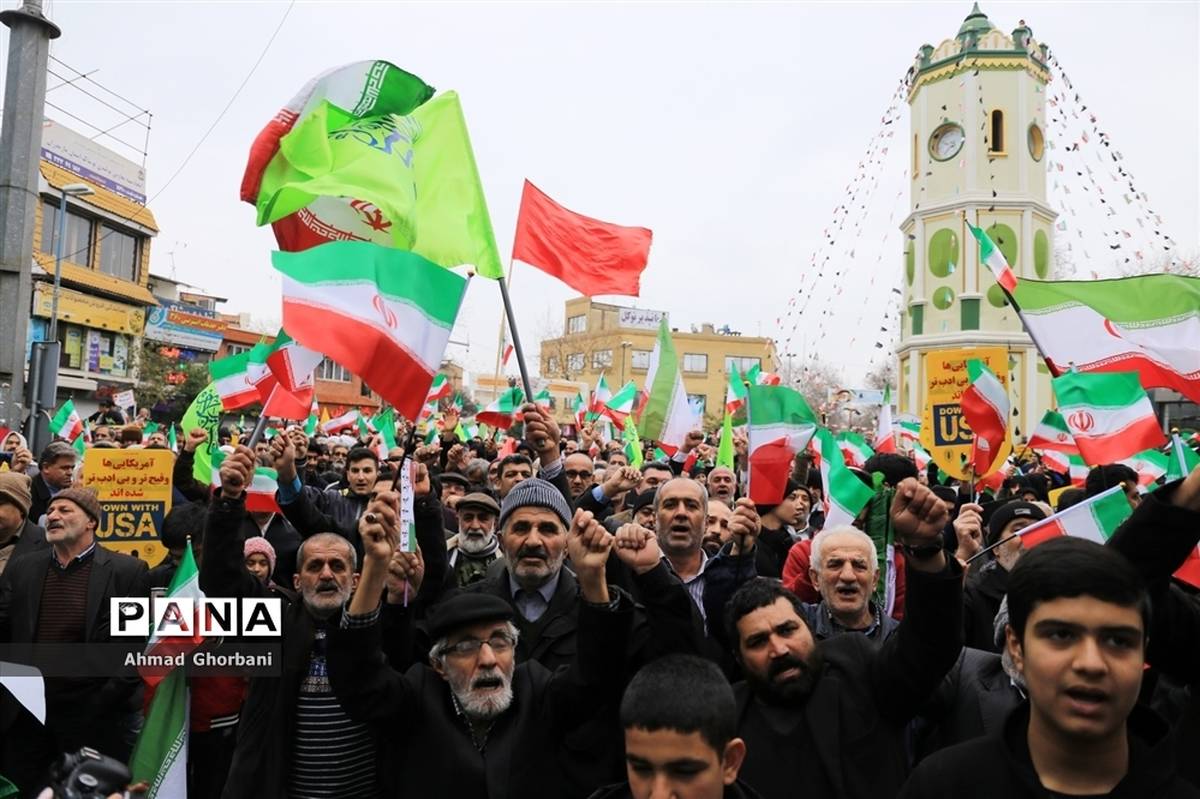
(946, 141)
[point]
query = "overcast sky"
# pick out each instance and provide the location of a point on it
(731, 130)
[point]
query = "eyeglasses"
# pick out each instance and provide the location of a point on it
(469, 647)
(573, 475)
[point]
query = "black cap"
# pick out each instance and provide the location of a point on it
(454, 477)
(1009, 511)
(639, 501)
(466, 608)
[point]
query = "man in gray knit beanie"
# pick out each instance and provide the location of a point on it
(534, 518)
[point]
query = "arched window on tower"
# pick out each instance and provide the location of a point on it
(996, 141)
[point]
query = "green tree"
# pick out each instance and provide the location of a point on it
(159, 383)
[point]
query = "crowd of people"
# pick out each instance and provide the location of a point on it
(568, 625)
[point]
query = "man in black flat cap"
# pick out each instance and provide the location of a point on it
(471, 704)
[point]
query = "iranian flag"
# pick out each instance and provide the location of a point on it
(1057, 461)
(384, 314)
(501, 411)
(1095, 519)
(620, 405)
(666, 416)
(1149, 465)
(1052, 433)
(1148, 324)
(600, 396)
(385, 423)
(855, 449)
(781, 425)
(439, 389)
(231, 381)
(160, 756)
(291, 363)
(845, 494)
(985, 407)
(310, 424)
(885, 431)
(579, 407)
(260, 494)
(909, 428)
(735, 393)
(339, 424)
(1077, 469)
(66, 423)
(1109, 415)
(991, 257)
(921, 457)
(1181, 459)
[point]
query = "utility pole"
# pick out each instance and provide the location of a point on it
(20, 151)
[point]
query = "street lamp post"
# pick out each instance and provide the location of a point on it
(69, 190)
(43, 367)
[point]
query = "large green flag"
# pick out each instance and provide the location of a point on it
(205, 413)
(418, 170)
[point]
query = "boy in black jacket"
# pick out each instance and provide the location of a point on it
(1078, 617)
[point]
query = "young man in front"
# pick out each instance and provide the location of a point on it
(1078, 616)
(680, 744)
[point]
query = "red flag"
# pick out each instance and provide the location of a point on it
(590, 256)
(508, 351)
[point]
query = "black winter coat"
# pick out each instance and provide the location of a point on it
(863, 700)
(974, 700)
(262, 757)
(432, 752)
(982, 595)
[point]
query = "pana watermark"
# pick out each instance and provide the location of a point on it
(185, 617)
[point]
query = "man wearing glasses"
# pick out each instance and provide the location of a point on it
(471, 704)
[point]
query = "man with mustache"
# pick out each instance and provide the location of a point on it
(61, 596)
(475, 704)
(475, 547)
(295, 737)
(844, 570)
(828, 719)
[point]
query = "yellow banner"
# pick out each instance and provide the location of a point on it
(83, 309)
(944, 431)
(134, 488)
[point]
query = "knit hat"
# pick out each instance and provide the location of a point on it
(257, 545)
(1009, 511)
(14, 487)
(535, 493)
(85, 498)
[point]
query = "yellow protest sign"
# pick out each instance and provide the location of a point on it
(944, 431)
(134, 489)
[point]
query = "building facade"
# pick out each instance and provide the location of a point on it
(105, 265)
(615, 341)
(978, 114)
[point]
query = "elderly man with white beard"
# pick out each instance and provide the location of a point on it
(472, 721)
(473, 549)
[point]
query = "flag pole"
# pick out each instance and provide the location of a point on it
(261, 425)
(516, 341)
(1017, 308)
(500, 339)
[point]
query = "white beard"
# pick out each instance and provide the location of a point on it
(473, 545)
(484, 705)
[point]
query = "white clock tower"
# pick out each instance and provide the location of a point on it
(978, 111)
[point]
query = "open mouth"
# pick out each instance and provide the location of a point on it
(847, 592)
(1086, 701)
(487, 684)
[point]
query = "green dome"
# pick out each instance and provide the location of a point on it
(976, 22)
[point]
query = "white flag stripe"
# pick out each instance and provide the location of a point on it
(1107, 422)
(1092, 342)
(422, 336)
